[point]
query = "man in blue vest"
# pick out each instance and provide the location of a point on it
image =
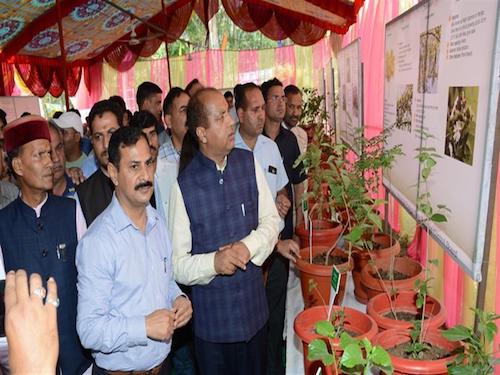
(224, 224)
(39, 231)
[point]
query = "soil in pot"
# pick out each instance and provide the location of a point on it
(332, 259)
(386, 275)
(404, 304)
(403, 315)
(361, 257)
(315, 278)
(373, 285)
(406, 366)
(433, 353)
(356, 323)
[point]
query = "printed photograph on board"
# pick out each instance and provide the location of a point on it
(461, 123)
(355, 101)
(344, 98)
(428, 63)
(403, 108)
(390, 63)
(348, 66)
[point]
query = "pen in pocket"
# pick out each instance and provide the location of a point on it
(243, 209)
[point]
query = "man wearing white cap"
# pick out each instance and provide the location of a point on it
(72, 130)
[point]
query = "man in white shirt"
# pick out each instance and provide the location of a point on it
(223, 225)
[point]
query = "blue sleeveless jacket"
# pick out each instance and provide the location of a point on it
(47, 246)
(222, 209)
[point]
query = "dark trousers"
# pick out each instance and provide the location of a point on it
(100, 371)
(239, 358)
(276, 300)
(181, 357)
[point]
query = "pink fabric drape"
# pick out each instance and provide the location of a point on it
(247, 64)
(159, 74)
(285, 63)
(497, 302)
(195, 67)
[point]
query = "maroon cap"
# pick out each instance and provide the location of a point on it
(24, 130)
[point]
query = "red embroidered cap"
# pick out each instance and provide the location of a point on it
(24, 130)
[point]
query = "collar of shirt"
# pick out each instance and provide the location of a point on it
(121, 220)
(37, 209)
(282, 127)
(210, 163)
(240, 143)
(168, 151)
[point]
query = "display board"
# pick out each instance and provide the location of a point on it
(15, 106)
(441, 75)
(350, 93)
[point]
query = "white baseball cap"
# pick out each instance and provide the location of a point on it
(70, 120)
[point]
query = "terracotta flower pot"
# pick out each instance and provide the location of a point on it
(321, 276)
(404, 366)
(373, 285)
(354, 321)
(362, 257)
(404, 301)
(324, 233)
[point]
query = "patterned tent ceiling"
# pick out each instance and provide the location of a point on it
(95, 29)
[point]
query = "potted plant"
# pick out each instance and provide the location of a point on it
(359, 356)
(342, 319)
(476, 356)
(354, 192)
(318, 228)
(316, 274)
(421, 348)
(396, 308)
(387, 274)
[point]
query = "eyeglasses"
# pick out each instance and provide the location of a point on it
(276, 98)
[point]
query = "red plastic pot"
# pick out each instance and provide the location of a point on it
(362, 257)
(404, 366)
(320, 275)
(354, 321)
(404, 301)
(324, 233)
(373, 285)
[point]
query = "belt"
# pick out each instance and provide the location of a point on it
(154, 371)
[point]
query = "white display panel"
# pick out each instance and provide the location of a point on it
(441, 72)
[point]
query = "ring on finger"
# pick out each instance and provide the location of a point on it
(53, 302)
(40, 292)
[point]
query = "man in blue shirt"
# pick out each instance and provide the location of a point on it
(128, 302)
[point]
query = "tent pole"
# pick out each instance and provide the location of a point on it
(2, 84)
(168, 66)
(63, 53)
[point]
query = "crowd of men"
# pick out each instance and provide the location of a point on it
(169, 231)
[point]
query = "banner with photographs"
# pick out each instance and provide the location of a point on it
(440, 96)
(350, 93)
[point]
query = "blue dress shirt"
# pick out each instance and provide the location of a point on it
(123, 275)
(90, 165)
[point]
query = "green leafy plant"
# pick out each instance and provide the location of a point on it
(352, 361)
(476, 358)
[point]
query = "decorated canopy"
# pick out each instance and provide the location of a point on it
(121, 31)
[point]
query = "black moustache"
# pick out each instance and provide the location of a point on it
(143, 184)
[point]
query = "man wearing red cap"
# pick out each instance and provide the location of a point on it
(39, 231)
